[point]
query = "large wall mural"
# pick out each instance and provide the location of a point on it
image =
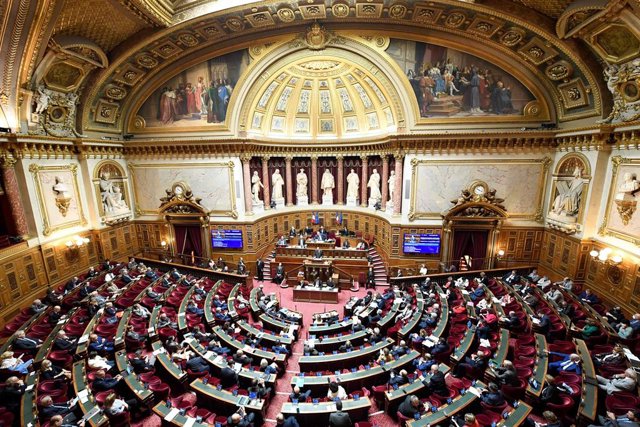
(198, 96)
(450, 83)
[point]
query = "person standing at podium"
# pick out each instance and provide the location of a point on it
(317, 254)
(322, 234)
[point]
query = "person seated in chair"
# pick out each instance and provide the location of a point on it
(477, 293)
(140, 363)
(506, 374)
(228, 377)
(52, 298)
(567, 363)
(48, 409)
(410, 406)
(268, 368)
(242, 268)
(566, 284)
(7, 361)
(153, 295)
(193, 308)
(512, 321)
(37, 307)
(476, 361)
(492, 396)
(25, 343)
(437, 383)
(71, 284)
(589, 329)
(64, 343)
(99, 344)
(259, 388)
(279, 348)
(102, 383)
(242, 358)
(399, 379)
(626, 381)
(299, 395)
(317, 253)
(630, 419)
(336, 391)
(533, 277)
(217, 347)
(511, 278)
(588, 297)
(140, 311)
(441, 347)
(198, 364)
(133, 335)
(222, 316)
(91, 273)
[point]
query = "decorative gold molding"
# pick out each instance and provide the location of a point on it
(35, 170)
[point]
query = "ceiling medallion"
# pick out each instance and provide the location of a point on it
(511, 38)
(147, 61)
(235, 24)
(455, 19)
(397, 11)
(115, 92)
(317, 37)
(340, 10)
(319, 65)
(286, 15)
(559, 70)
(188, 39)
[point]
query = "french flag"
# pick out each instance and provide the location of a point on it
(315, 218)
(339, 218)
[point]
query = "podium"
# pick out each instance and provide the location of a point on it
(321, 267)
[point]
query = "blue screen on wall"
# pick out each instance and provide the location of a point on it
(226, 239)
(426, 244)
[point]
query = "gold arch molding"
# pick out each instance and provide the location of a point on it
(573, 75)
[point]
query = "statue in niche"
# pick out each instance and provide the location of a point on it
(63, 195)
(353, 185)
(567, 202)
(301, 181)
(256, 185)
(392, 185)
(111, 194)
(42, 100)
(374, 186)
(277, 183)
(327, 184)
(625, 198)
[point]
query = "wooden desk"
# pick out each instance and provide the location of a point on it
(81, 349)
(318, 414)
(324, 244)
(182, 311)
(48, 342)
(332, 328)
(169, 365)
(393, 398)
(310, 294)
(227, 400)
(540, 367)
(589, 395)
(28, 400)
(86, 404)
(501, 353)
(196, 271)
(121, 331)
(413, 322)
(162, 411)
(340, 360)
(208, 303)
(354, 381)
(459, 404)
(465, 345)
(333, 343)
(248, 350)
(265, 336)
(131, 379)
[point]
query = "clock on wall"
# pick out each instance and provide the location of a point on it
(478, 189)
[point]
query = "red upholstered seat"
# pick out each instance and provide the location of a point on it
(160, 390)
(401, 418)
(122, 419)
(619, 403)
(562, 408)
(515, 392)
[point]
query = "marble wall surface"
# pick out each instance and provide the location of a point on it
(521, 182)
(614, 224)
(213, 182)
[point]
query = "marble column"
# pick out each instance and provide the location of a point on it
(385, 180)
(340, 179)
(246, 173)
(287, 161)
(314, 180)
(12, 193)
(266, 191)
(364, 199)
(397, 195)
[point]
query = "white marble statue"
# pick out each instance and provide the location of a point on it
(61, 189)
(629, 187)
(353, 185)
(327, 184)
(42, 99)
(567, 202)
(256, 185)
(374, 186)
(111, 194)
(301, 181)
(276, 184)
(392, 185)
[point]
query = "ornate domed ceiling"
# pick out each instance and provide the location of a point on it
(322, 97)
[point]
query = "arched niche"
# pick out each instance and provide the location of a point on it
(112, 192)
(569, 190)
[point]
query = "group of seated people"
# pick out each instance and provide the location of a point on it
(221, 266)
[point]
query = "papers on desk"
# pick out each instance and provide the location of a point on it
(535, 320)
(496, 300)
(29, 387)
(464, 292)
(190, 422)
(94, 411)
(172, 414)
(475, 391)
(158, 351)
(247, 349)
(470, 304)
(83, 339)
(237, 367)
(632, 357)
(151, 330)
(300, 382)
(83, 396)
(485, 343)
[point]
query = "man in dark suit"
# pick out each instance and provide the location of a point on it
(293, 232)
(48, 409)
(317, 254)
(279, 277)
(483, 279)
(299, 395)
(12, 393)
(371, 279)
(339, 418)
(91, 273)
(410, 407)
(259, 270)
(241, 418)
(242, 358)
(102, 383)
(23, 342)
(71, 284)
(492, 396)
(63, 343)
(630, 419)
(544, 323)
(37, 306)
(477, 361)
(139, 363)
(511, 278)
(437, 383)
(242, 268)
(441, 347)
(99, 344)
(281, 421)
(228, 377)
(198, 364)
(86, 289)
(322, 234)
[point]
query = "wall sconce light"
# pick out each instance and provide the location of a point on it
(500, 254)
(604, 256)
(163, 244)
(76, 242)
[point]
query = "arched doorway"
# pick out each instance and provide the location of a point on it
(471, 228)
(188, 222)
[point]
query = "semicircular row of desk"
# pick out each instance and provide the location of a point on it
(352, 381)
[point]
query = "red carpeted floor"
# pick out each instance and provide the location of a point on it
(283, 385)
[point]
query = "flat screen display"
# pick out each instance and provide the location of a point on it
(427, 244)
(226, 239)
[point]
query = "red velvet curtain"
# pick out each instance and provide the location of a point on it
(473, 243)
(188, 239)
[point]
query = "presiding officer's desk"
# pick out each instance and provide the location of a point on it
(337, 361)
(314, 294)
(317, 414)
(354, 381)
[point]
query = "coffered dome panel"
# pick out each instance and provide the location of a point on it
(320, 97)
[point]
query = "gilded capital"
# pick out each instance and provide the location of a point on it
(364, 158)
(245, 158)
(7, 162)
